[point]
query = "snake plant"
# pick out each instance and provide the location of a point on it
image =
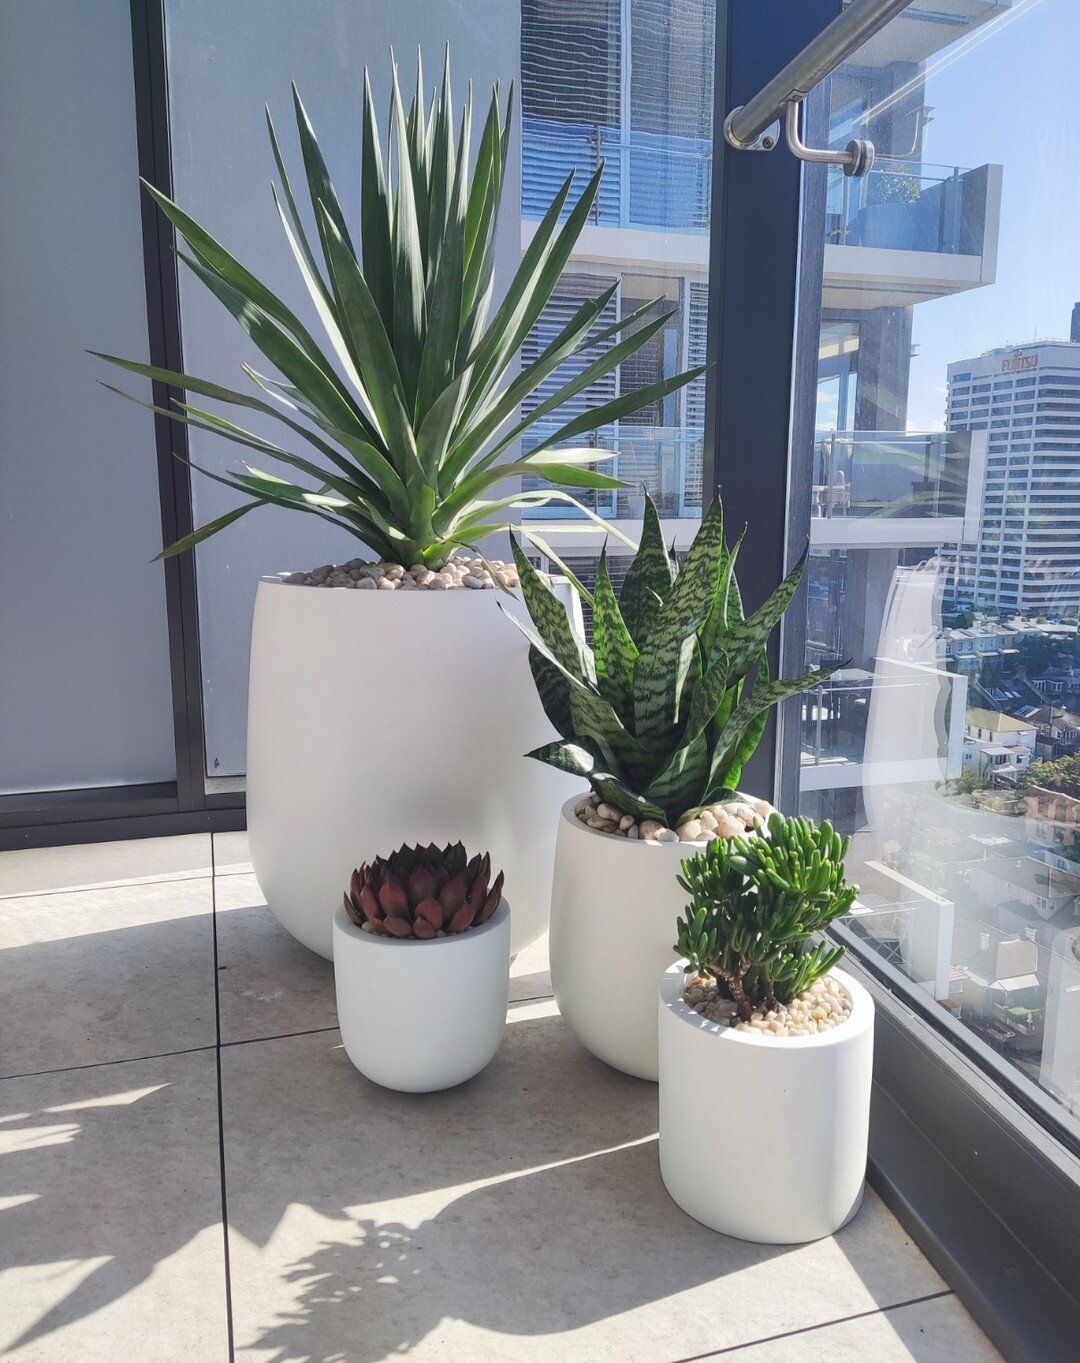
(756, 904)
(409, 424)
(662, 712)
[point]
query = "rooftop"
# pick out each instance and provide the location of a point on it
(997, 722)
(175, 1053)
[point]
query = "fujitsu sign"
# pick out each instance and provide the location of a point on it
(1015, 362)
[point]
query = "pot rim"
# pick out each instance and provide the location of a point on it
(345, 923)
(860, 1019)
(278, 580)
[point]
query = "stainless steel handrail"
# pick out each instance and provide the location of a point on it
(745, 124)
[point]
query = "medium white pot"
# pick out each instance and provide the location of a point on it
(761, 1137)
(422, 1015)
(614, 905)
(379, 718)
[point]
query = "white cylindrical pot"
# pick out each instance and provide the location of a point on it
(378, 718)
(422, 1015)
(614, 905)
(764, 1137)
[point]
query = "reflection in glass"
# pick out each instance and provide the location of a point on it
(944, 513)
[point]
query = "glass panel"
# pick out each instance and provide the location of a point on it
(225, 63)
(944, 514)
(646, 67)
(85, 691)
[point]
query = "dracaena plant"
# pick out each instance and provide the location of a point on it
(664, 709)
(403, 432)
(757, 906)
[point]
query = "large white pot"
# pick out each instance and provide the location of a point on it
(378, 718)
(763, 1137)
(614, 905)
(422, 1015)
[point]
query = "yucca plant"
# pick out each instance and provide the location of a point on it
(422, 891)
(669, 703)
(411, 424)
(758, 904)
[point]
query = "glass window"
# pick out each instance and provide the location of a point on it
(954, 630)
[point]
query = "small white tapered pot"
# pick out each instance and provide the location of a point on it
(764, 1137)
(614, 906)
(419, 1015)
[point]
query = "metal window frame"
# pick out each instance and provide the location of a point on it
(48, 818)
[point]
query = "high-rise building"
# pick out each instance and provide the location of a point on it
(627, 84)
(1025, 557)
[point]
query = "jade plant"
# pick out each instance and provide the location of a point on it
(756, 907)
(663, 710)
(423, 892)
(403, 431)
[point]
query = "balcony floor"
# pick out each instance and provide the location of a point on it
(169, 1064)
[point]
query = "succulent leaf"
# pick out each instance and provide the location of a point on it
(423, 891)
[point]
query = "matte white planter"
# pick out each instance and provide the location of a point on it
(422, 1015)
(764, 1138)
(614, 905)
(379, 718)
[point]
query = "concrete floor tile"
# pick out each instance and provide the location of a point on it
(530, 974)
(269, 984)
(518, 1217)
(938, 1331)
(109, 974)
(44, 870)
(110, 1215)
(231, 853)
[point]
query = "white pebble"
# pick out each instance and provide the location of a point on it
(689, 831)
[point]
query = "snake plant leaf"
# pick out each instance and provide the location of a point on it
(741, 751)
(678, 784)
(582, 758)
(743, 641)
(663, 668)
(593, 717)
(763, 696)
(615, 651)
(553, 690)
(648, 580)
(556, 630)
(563, 568)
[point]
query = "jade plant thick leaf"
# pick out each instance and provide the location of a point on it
(661, 714)
(409, 423)
(757, 907)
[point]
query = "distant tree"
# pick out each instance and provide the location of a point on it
(968, 782)
(1035, 653)
(1062, 774)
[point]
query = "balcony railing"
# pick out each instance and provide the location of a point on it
(665, 460)
(909, 207)
(650, 180)
(890, 474)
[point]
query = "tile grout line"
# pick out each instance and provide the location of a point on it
(822, 1325)
(100, 1064)
(221, 1117)
(136, 883)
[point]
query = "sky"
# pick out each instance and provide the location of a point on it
(1008, 95)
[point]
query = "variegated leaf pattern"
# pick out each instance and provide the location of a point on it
(615, 650)
(553, 690)
(552, 620)
(581, 758)
(647, 584)
(741, 642)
